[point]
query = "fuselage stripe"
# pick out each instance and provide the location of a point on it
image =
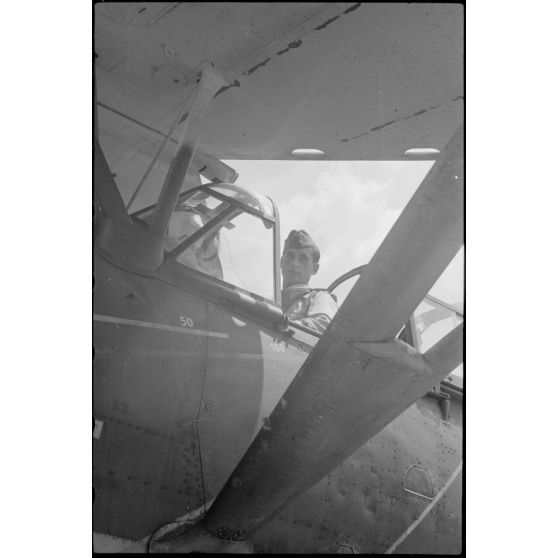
(164, 327)
(240, 356)
(415, 523)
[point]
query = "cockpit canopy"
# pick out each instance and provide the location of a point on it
(227, 232)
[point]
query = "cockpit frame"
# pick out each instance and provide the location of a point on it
(236, 207)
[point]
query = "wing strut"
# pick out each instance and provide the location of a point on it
(418, 248)
(356, 380)
(210, 83)
(105, 189)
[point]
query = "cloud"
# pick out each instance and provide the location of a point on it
(346, 214)
(450, 284)
(348, 208)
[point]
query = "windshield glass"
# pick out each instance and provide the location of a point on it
(434, 320)
(221, 238)
(251, 239)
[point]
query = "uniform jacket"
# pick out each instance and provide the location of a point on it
(313, 308)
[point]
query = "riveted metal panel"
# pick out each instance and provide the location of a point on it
(362, 507)
(245, 377)
(150, 342)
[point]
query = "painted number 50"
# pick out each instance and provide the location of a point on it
(186, 322)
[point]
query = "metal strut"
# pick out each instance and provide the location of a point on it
(209, 84)
(159, 151)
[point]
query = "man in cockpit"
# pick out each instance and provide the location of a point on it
(313, 308)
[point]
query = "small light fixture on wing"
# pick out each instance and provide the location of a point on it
(422, 153)
(306, 153)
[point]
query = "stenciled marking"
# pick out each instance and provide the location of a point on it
(277, 347)
(417, 521)
(186, 322)
(164, 327)
(98, 429)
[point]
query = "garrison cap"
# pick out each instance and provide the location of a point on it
(300, 239)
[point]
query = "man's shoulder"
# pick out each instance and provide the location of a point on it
(322, 297)
(322, 293)
(309, 295)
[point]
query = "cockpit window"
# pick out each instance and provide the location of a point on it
(433, 320)
(225, 231)
(257, 201)
(250, 241)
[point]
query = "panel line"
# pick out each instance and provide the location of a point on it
(164, 327)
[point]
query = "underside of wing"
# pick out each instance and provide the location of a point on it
(355, 81)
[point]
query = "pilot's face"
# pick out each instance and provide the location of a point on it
(297, 266)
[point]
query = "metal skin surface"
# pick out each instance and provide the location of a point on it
(338, 400)
(146, 461)
(176, 410)
(143, 480)
(244, 379)
(362, 505)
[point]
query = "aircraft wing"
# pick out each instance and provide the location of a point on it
(358, 81)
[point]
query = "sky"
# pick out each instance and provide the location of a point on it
(348, 207)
